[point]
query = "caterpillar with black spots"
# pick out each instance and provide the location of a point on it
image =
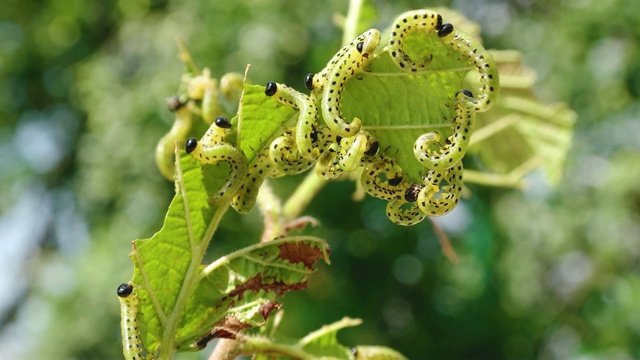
(328, 84)
(132, 347)
(343, 156)
(212, 149)
(463, 44)
(308, 113)
(455, 145)
(198, 100)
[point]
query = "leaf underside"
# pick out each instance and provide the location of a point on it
(530, 130)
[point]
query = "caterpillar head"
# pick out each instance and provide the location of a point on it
(124, 290)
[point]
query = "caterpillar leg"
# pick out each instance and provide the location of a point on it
(456, 144)
(212, 149)
(436, 200)
(407, 23)
(481, 59)
(347, 65)
(306, 119)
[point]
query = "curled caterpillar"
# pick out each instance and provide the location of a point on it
(305, 126)
(381, 178)
(346, 67)
(401, 214)
(329, 83)
(436, 200)
(430, 21)
(405, 24)
(131, 343)
(283, 152)
(317, 82)
(456, 144)
(481, 59)
(343, 156)
(212, 149)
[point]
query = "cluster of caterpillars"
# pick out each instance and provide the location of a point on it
(334, 145)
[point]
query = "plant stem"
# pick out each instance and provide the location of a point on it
(271, 208)
(351, 22)
(198, 249)
(493, 179)
(262, 345)
(226, 349)
(300, 199)
(493, 128)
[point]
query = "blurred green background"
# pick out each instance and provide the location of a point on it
(548, 273)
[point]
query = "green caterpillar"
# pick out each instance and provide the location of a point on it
(212, 149)
(343, 156)
(405, 24)
(165, 150)
(382, 177)
(481, 59)
(199, 98)
(131, 343)
(456, 144)
(284, 155)
(329, 83)
(447, 196)
(245, 197)
(430, 21)
(400, 214)
(306, 123)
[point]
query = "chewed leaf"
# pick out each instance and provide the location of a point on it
(162, 262)
(240, 290)
(397, 107)
(182, 304)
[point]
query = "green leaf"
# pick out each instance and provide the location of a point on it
(163, 263)
(397, 107)
(520, 133)
(261, 120)
(182, 301)
(239, 290)
(321, 344)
